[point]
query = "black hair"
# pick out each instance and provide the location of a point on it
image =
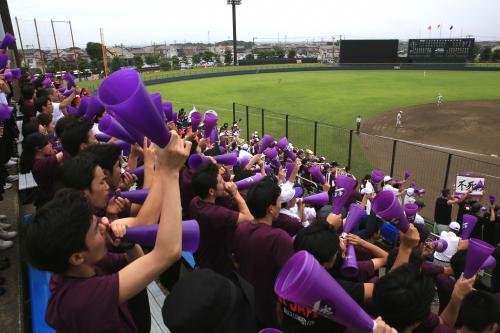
(262, 195)
(44, 119)
(105, 155)
(42, 92)
(414, 260)
(423, 231)
(445, 192)
(457, 263)
(29, 127)
(66, 121)
(479, 311)
(74, 134)
(30, 144)
(27, 92)
(57, 231)
(204, 179)
(319, 240)
(241, 173)
(403, 297)
(41, 102)
(78, 173)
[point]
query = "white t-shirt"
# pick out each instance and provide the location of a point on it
(57, 112)
(389, 187)
(409, 200)
(3, 98)
(358, 120)
(452, 240)
(368, 207)
(419, 219)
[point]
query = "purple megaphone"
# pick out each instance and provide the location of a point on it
(124, 146)
(439, 245)
(316, 174)
(223, 150)
(492, 198)
(5, 112)
(123, 92)
(210, 123)
(49, 75)
(304, 281)
(137, 196)
(46, 83)
(138, 172)
(344, 186)
(70, 79)
(387, 207)
(317, 200)
(411, 212)
(353, 217)
(266, 141)
(289, 168)
(138, 136)
(479, 186)
(195, 120)
(267, 168)
(299, 191)
(468, 224)
(16, 73)
(287, 148)
(270, 330)
(174, 117)
(477, 253)
(111, 127)
(490, 262)
(196, 161)
(94, 107)
(214, 135)
(407, 175)
(377, 176)
(247, 182)
(167, 110)
(84, 103)
(102, 137)
(243, 160)
(71, 109)
(8, 75)
(67, 93)
(349, 266)
(7, 41)
(272, 155)
(4, 60)
(227, 159)
(156, 99)
(145, 235)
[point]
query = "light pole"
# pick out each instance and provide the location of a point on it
(72, 41)
(234, 3)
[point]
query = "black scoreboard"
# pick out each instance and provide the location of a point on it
(452, 49)
(369, 50)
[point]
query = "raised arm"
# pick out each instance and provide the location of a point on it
(139, 273)
(245, 214)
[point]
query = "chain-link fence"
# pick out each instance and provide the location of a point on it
(431, 169)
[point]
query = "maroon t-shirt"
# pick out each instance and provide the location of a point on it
(217, 225)
(365, 273)
(431, 269)
(445, 287)
(90, 304)
(260, 251)
(45, 173)
(186, 189)
(288, 223)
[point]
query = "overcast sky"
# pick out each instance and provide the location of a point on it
(142, 22)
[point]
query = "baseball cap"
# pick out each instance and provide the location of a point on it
(410, 191)
(245, 146)
(366, 190)
(387, 178)
(287, 192)
(455, 226)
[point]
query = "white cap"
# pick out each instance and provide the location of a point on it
(455, 226)
(287, 192)
(245, 146)
(367, 190)
(410, 191)
(387, 178)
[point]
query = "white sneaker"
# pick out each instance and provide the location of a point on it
(5, 244)
(4, 225)
(7, 186)
(7, 234)
(12, 178)
(10, 163)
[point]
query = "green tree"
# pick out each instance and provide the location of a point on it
(250, 57)
(165, 65)
(496, 55)
(228, 57)
(185, 59)
(279, 52)
(116, 63)
(152, 59)
(138, 62)
(485, 54)
(196, 59)
(208, 56)
(94, 51)
(175, 62)
(474, 53)
(292, 54)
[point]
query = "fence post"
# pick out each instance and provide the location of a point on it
(448, 165)
(248, 125)
(262, 116)
(395, 142)
(350, 150)
(234, 112)
(315, 137)
(286, 126)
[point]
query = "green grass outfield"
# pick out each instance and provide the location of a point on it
(334, 97)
